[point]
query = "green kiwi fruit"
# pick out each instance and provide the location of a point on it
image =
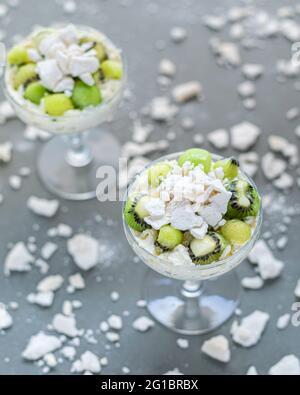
(236, 231)
(197, 156)
(24, 75)
(230, 167)
(157, 172)
(57, 104)
(244, 202)
(97, 46)
(18, 55)
(86, 96)
(207, 250)
(135, 212)
(112, 69)
(168, 238)
(35, 92)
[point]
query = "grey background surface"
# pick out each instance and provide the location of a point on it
(137, 30)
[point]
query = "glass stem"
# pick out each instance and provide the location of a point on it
(191, 292)
(192, 289)
(78, 153)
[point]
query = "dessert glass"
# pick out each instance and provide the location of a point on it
(191, 300)
(68, 163)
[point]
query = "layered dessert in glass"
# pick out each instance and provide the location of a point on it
(67, 80)
(192, 216)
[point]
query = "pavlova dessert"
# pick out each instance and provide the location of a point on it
(64, 70)
(192, 211)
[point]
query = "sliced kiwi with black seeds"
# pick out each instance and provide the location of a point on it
(230, 167)
(135, 212)
(168, 238)
(244, 202)
(207, 250)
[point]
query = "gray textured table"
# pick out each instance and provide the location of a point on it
(137, 30)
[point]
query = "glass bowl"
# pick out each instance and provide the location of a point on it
(69, 162)
(205, 295)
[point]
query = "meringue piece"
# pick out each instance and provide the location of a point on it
(211, 214)
(251, 328)
(287, 366)
(155, 208)
(6, 152)
(85, 251)
(253, 283)
(283, 321)
(244, 135)
(180, 256)
(40, 345)
(43, 207)
(200, 232)
(50, 283)
(69, 35)
(188, 91)
(47, 43)
(83, 64)
(88, 362)
(43, 299)
(66, 84)
(219, 138)
(272, 167)
(6, 320)
(183, 218)
(143, 324)
(49, 73)
(217, 348)
(87, 78)
(268, 266)
(65, 325)
(18, 259)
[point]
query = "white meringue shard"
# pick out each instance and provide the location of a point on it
(83, 64)
(287, 366)
(217, 348)
(249, 332)
(49, 73)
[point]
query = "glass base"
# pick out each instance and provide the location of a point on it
(62, 176)
(191, 313)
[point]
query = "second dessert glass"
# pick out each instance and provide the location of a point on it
(68, 163)
(197, 299)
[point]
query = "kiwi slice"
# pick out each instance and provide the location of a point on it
(18, 55)
(100, 51)
(135, 212)
(236, 231)
(230, 167)
(244, 202)
(85, 95)
(24, 75)
(97, 46)
(207, 250)
(197, 156)
(35, 92)
(112, 70)
(157, 172)
(57, 104)
(168, 238)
